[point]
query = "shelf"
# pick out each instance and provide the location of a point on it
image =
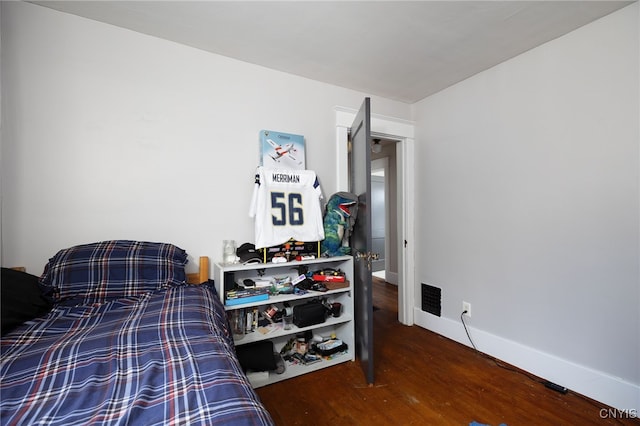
(294, 370)
(229, 275)
(281, 298)
(278, 331)
(233, 267)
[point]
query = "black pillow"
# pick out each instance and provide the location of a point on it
(22, 299)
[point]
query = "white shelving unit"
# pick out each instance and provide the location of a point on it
(225, 275)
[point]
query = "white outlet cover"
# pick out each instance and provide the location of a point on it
(466, 306)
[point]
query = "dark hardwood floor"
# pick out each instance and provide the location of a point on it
(423, 378)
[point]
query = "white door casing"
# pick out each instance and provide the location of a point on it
(403, 131)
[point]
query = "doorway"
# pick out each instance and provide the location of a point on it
(384, 218)
(379, 217)
(401, 133)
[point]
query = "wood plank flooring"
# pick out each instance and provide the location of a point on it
(425, 379)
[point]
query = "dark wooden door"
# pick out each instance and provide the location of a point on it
(361, 241)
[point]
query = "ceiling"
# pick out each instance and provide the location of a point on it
(400, 50)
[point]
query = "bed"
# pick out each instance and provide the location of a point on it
(126, 340)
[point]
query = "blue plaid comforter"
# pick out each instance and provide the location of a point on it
(164, 357)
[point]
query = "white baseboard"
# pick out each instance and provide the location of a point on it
(596, 385)
(391, 277)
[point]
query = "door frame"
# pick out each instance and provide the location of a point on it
(402, 131)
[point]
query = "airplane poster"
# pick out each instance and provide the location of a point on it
(281, 150)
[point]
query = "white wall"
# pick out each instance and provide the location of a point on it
(528, 192)
(108, 133)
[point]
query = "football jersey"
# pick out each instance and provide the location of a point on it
(286, 205)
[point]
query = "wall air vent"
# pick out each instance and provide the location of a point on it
(431, 299)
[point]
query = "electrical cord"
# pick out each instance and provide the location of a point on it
(467, 331)
(521, 372)
(495, 361)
